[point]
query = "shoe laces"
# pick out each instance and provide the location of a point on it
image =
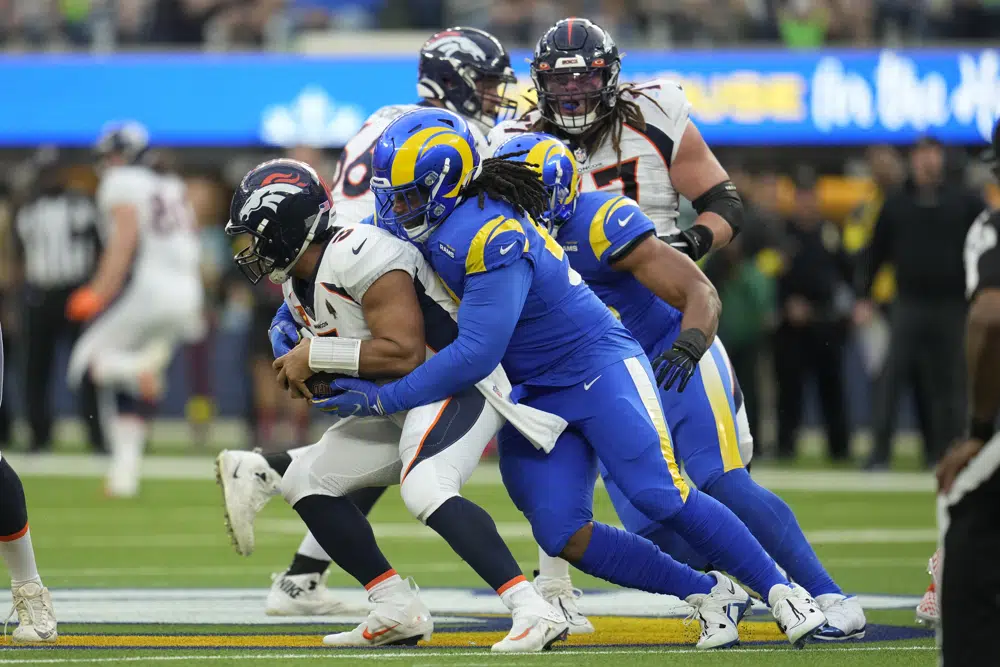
(556, 587)
(26, 609)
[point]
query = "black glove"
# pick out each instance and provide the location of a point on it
(678, 363)
(694, 242)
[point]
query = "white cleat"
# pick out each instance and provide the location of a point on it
(534, 630)
(560, 594)
(845, 619)
(247, 483)
(927, 611)
(719, 612)
(414, 624)
(798, 615)
(303, 595)
(36, 619)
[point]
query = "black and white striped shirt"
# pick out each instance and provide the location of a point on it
(59, 240)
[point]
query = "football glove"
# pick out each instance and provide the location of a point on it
(352, 398)
(678, 364)
(694, 242)
(283, 333)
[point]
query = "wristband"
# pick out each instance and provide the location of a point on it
(693, 341)
(981, 429)
(335, 355)
(705, 240)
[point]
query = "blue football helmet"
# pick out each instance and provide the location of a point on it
(556, 166)
(419, 166)
(469, 71)
(283, 206)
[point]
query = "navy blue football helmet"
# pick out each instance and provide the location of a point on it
(469, 71)
(283, 205)
(575, 71)
(128, 139)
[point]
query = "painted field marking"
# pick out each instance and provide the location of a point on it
(335, 654)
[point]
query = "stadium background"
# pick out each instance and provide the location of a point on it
(775, 86)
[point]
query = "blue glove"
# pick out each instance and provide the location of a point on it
(356, 398)
(283, 333)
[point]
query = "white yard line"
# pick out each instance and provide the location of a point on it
(488, 474)
(418, 654)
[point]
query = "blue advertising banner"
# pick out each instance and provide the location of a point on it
(740, 97)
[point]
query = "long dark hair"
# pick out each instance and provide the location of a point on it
(513, 182)
(625, 112)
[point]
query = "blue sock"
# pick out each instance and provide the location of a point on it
(773, 523)
(632, 561)
(676, 547)
(715, 532)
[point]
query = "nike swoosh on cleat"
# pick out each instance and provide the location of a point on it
(521, 636)
(372, 635)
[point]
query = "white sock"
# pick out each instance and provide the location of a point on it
(521, 595)
(310, 548)
(390, 589)
(20, 560)
(553, 568)
(126, 439)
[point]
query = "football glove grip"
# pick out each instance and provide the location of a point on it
(678, 364)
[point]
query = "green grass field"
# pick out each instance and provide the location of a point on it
(150, 565)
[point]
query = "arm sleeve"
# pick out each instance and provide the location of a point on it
(875, 255)
(490, 309)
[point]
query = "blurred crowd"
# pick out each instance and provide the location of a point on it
(242, 23)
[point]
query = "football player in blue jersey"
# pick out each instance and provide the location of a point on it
(522, 304)
(658, 294)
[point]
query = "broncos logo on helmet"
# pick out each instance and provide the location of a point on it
(419, 166)
(468, 71)
(555, 165)
(283, 206)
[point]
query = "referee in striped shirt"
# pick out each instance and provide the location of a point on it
(58, 241)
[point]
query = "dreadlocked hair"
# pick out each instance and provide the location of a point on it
(625, 112)
(515, 183)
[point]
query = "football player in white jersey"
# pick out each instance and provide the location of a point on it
(465, 70)
(144, 299)
(637, 140)
(373, 308)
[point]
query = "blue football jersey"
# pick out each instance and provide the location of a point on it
(606, 226)
(564, 332)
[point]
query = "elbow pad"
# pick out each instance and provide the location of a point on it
(724, 201)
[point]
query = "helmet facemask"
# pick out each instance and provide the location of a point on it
(259, 258)
(576, 99)
(410, 210)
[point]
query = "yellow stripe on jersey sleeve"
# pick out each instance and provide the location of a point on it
(475, 261)
(599, 242)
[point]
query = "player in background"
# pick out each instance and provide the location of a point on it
(366, 298)
(36, 619)
(632, 139)
(144, 299)
(521, 302)
(667, 304)
(465, 70)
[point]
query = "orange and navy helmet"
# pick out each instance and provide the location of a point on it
(283, 206)
(555, 165)
(575, 70)
(420, 165)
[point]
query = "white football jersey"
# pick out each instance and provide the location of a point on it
(643, 173)
(168, 243)
(352, 196)
(357, 256)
